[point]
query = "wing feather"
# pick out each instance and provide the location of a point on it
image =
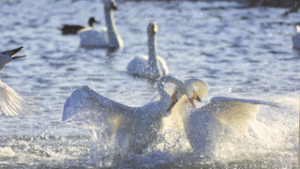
(88, 109)
(15, 103)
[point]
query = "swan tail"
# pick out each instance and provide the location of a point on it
(14, 103)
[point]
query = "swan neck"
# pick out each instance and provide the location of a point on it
(161, 86)
(152, 52)
(111, 27)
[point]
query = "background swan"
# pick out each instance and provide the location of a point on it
(133, 127)
(74, 29)
(296, 38)
(107, 37)
(204, 125)
(12, 102)
(151, 66)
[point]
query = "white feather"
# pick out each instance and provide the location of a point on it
(14, 103)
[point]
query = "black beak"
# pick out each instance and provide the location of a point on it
(172, 105)
(198, 99)
(114, 7)
(14, 51)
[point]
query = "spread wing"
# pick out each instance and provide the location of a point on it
(89, 109)
(14, 103)
(235, 113)
(223, 114)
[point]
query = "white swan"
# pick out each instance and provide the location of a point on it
(74, 29)
(107, 37)
(296, 38)
(12, 102)
(151, 66)
(132, 127)
(204, 125)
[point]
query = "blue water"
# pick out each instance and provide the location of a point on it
(240, 52)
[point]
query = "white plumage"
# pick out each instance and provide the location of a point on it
(133, 128)
(105, 37)
(204, 125)
(151, 66)
(12, 102)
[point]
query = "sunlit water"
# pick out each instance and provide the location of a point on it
(240, 52)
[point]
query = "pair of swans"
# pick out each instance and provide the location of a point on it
(151, 66)
(134, 128)
(105, 37)
(12, 102)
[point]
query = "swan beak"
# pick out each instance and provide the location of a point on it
(12, 52)
(192, 101)
(174, 101)
(195, 96)
(113, 6)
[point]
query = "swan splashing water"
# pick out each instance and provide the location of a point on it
(133, 128)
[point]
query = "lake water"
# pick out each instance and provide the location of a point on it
(241, 52)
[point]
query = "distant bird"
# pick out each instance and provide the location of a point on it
(151, 65)
(12, 103)
(74, 29)
(107, 37)
(296, 39)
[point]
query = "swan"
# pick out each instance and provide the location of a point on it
(296, 39)
(151, 66)
(203, 125)
(133, 128)
(12, 102)
(106, 37)
(74, 29)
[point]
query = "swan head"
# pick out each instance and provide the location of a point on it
(93, 20)
(193, 89)
(152, 28)
(7, 56)
(110, 4)
(201, 86)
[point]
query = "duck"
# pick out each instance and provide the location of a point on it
(133, 128)
(74, 29)
(149, 66)
(107, 37)
(296, 38)
(12, 102)
(204, 125)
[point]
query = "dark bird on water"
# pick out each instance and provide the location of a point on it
(74, 29)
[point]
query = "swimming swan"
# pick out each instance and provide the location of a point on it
(74, 29)
(203, 125)
(12, 102)
(296, 38)
(133, 128)
(107, 37)
(151, 66)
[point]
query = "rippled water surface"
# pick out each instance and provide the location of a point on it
(241, 52)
